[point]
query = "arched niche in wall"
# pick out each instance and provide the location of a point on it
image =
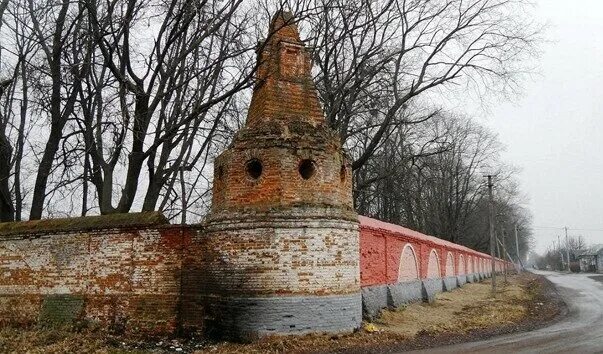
(449, 265)
(408, 269)
(433, 265)
(461, 267)
(470, 269)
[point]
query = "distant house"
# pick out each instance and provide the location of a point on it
(599, 260)
(588, 263)
(592, 260)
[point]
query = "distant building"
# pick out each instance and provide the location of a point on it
(599, 260)
(592, 261)
(588, 263)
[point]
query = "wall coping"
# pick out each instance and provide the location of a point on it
(85, 223)
(402, 231)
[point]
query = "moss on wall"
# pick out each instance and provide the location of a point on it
(134, 220)
(60, 310)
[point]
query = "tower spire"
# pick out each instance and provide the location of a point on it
(285, 90)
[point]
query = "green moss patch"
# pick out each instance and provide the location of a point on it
(60, 310)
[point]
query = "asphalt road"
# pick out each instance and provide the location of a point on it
(581, 331)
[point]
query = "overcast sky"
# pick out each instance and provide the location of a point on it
(555, 131)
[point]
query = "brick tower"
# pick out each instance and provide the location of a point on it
(281, 250)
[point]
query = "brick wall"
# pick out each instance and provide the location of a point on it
(124, 278)
(154, 279)
(382, 260)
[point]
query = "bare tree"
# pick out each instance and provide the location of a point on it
(375, 58)
(130, 100)
(15, 121)
(577, 246)
(7, 209)
(59, 80)
(433, 182)
(171, 96)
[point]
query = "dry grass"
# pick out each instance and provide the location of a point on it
(49, 341)
(468, 308)
(306, 344)
(461, 311)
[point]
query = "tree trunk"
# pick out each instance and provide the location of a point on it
(7, 209)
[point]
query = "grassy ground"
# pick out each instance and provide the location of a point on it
(465, 309)
(467, 313)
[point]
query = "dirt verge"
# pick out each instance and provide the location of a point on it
(527, 303)
(465, 314)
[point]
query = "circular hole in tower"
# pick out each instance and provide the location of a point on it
(342, 173)
(254, 168)
(307, 168)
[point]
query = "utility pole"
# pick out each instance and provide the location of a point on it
(492, 241)
(567, 249)
(504, 249)
(559, 250)
(517, 249)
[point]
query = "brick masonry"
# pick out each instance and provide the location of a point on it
(391, 255)
(249, 318)
(118, 277)
(381, 254)
(281, 242)
(292, 271)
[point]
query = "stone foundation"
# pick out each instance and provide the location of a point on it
(251, 318)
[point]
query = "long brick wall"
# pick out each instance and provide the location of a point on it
(280, 251)
(400, 265)
(381, 254)
(153, 278)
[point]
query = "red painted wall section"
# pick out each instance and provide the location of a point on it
(382, 244)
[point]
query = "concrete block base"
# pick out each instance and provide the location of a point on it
(404, 293)
(450, 283)
(461, 280)
(431, 287)
(374, 299)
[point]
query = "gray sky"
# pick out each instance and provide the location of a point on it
(554, 133)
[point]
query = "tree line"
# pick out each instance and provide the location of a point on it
(556, 255)
(121, 105)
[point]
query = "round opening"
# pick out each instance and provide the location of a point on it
(254, 168)
(307, 169)
(342, 173)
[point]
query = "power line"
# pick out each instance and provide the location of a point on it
(562, 228)
(570, 228)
